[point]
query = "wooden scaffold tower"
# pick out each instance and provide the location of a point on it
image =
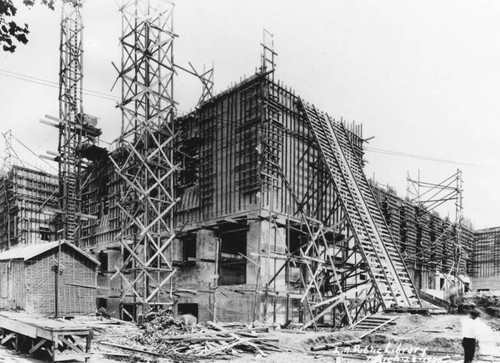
(445, 251)
(144, 156)
(76, 129)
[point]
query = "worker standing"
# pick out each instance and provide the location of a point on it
(471, 329)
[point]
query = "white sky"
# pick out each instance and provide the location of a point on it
(422, 76)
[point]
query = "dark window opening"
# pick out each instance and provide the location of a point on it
(297, 312)
(45, 233)
(295, 239)
(102, 303)
(128, 312)
(431, 282)
(188, 309)
(189, 247)
(126, 254)
(103, 259)
(232, 264)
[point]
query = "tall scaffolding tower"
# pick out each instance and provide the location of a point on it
(428, 197)
(144, 155)
(7, 159)
(70, 111)
(76, 129)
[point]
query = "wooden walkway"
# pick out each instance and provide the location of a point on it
(373, 323)
(62, 340)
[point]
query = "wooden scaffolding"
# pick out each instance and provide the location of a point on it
(144, 157)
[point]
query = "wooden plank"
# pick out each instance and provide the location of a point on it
(43, 323)
(52, 334)
(7, 338)
(18, 327)
(334, 345)
(378, 327)
(70, 356)
(126, 347)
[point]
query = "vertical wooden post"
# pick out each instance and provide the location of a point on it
(216, 277)
(57, 269)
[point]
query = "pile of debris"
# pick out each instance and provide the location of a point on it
(169, 337)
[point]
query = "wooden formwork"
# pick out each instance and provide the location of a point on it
(487, 253)
(425, 239)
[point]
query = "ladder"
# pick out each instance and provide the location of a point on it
(71, 207)
(384, 263)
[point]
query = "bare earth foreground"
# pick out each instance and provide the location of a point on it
(417, 338)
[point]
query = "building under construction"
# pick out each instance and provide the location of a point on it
(261, 228)
(26, 199)
(255, 206)
(486, 266)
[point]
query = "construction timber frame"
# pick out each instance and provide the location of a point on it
(144, 155)
(76, 129)
(70, 110)
(428, 197)
(350, 241)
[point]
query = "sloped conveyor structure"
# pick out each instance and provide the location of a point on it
(384, 263)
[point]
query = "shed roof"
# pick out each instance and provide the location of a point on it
(27, 252)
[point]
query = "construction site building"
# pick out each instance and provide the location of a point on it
(26, 199)
(249, 171)
(486, 266)
(429, 244)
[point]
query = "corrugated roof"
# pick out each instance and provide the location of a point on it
(27, 252)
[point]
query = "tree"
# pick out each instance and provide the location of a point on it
(10, 32)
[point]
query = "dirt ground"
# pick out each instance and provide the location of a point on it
(438, 335)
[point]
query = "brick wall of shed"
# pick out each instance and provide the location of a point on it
(12, 285)
(75, 269)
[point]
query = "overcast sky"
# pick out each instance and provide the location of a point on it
(423, 77)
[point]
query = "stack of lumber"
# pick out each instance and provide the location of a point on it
(168, 337)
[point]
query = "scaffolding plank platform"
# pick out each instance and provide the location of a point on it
(62, 340)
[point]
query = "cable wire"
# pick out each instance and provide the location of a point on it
(423, 157)
(53, 84)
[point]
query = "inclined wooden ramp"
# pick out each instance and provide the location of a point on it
(390, 276)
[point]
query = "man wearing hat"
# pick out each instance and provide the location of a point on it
(471, 329)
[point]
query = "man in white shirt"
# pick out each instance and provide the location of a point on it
(471, 329)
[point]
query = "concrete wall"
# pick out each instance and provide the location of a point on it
(273, 241)
(202, 273)
(111, 288)
(482, 283)
(236, 302)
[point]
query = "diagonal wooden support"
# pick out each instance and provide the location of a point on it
(71, 345)
(7, 338)
(37, 346)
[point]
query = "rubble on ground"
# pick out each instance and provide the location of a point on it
(164, 339)
(165, 336)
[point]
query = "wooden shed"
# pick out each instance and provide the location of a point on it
(28, 279)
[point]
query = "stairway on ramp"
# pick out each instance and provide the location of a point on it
(385, 264)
